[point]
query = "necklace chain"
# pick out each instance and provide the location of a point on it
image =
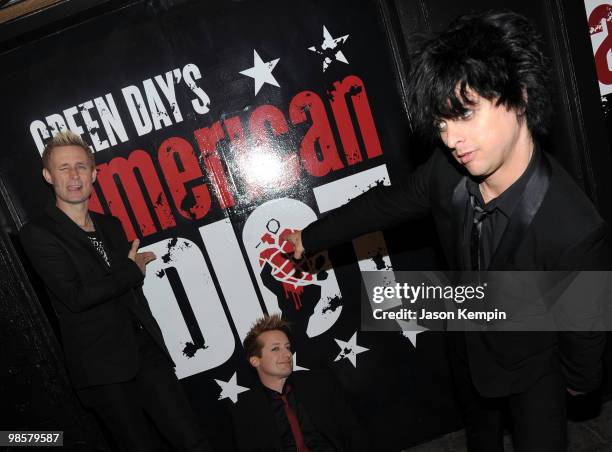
(87, 223)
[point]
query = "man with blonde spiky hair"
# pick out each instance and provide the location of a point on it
(114, 350)
(301, 411)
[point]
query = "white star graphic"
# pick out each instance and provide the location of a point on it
(327, 46)
(350, 349)
(411, 329)
(230, 389)
(295, 364)
(261, 72)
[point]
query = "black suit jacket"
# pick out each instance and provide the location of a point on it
(95, 303)
(554, 227)
(255, 428)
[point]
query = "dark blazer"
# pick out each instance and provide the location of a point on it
(95, 303)
(255, 428)
(554, 227)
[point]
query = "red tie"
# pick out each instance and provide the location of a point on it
(293, 421)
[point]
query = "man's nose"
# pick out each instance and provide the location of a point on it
(73, 173)
(454, 134)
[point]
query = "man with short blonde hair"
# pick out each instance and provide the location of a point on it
(114, 350)
(66, 138)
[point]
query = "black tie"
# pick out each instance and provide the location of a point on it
(479, 215)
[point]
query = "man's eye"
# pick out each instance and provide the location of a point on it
(274, 349)
(467, 114)
(440, 126)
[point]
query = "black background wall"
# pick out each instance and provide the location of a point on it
(60, 58)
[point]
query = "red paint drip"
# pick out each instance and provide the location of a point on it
(296, 294)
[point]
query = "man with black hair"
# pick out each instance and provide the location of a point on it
(499, 203)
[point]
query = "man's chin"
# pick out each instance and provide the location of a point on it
(475, 171)
(284, 373)
(79, 198)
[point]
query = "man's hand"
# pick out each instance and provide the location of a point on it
(141, 259)
(295, 238)
(573, 393)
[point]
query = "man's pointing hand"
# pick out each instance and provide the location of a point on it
(295, 238)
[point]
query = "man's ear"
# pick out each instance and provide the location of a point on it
(254, 361)
(94, 174)
(47, 175)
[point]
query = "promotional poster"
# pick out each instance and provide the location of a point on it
(599, 16)
(217, 129)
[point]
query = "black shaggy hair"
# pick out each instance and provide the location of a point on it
(496, 55)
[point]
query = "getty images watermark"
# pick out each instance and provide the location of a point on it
(412, 294)
(496, 301)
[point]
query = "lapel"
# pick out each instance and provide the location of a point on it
(68, 227)
(523, 214)
(460, 201)
(266, 428)
(316, 401)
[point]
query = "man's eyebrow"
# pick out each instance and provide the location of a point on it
(76, 163)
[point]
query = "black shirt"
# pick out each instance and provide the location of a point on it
(313, 439)
(496, 213)
(98, 244)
